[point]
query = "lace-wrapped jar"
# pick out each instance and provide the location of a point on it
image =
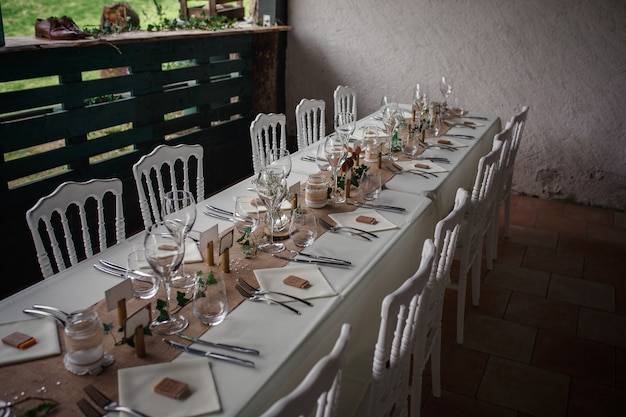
(83, 341)
(316, 191)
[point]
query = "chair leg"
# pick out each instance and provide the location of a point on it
(435, 364)
(476, 279)
(415, 396)
(460, 306)
(507, 214)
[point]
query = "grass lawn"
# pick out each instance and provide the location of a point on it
(19, 16)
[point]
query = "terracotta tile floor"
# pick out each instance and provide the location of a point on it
(549, 336)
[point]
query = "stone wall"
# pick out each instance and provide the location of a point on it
(566, 59)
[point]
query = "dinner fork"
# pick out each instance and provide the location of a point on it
(107, 403)
(254, 297)
(349, 229)
(88, 409)
(258, 291)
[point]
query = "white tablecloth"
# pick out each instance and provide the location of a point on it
(290, 344)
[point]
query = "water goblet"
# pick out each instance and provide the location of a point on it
(271, 187)
(336, 153)
(164, 252)
(303, 228)
(345, 124)
(178, 212)
(370, 185)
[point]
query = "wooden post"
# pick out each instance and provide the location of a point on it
(121, 312)
(140, 342)
(225, 261)
(209, 254)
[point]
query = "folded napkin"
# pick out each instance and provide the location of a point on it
(271, 279)
(136, 388)
(349, 220)
(192, 253)
(42, 329)
(432, 167)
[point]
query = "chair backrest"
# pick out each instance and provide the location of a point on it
(165, 169)
(267, 131)
(321, 386)
(482, 202)
(310, 123)
(345, 100)
(430, 308)
(447, 232)
(57, 211)
(512, 134)
(391, 367)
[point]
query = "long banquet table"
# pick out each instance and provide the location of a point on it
(289, 344)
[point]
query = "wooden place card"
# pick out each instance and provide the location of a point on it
(209, 235)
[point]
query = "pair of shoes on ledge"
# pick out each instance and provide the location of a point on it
(63, 29)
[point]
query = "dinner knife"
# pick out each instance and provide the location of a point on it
(313, 261)
(122, 269)
(325, 258)
(477, 117)
(220, 345)
(219, 210)
(381, 207)
(213, 355)
(459, 136)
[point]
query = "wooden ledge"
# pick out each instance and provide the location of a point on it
(30, 43)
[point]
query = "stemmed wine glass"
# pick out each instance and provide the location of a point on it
(420, 100)
(345, 125)
(271, 187)
(390, 110)
(165, 252)
(336, 153)
(445, 87)
(178, 213)
(280, 157)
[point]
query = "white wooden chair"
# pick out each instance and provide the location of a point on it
(397, 337)
(165, 169)
(267, 131)
(476, 228)
(345, 100)
(430, 310)
(320, 390)
(516, 124)
(57, 211)
(310, 123)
